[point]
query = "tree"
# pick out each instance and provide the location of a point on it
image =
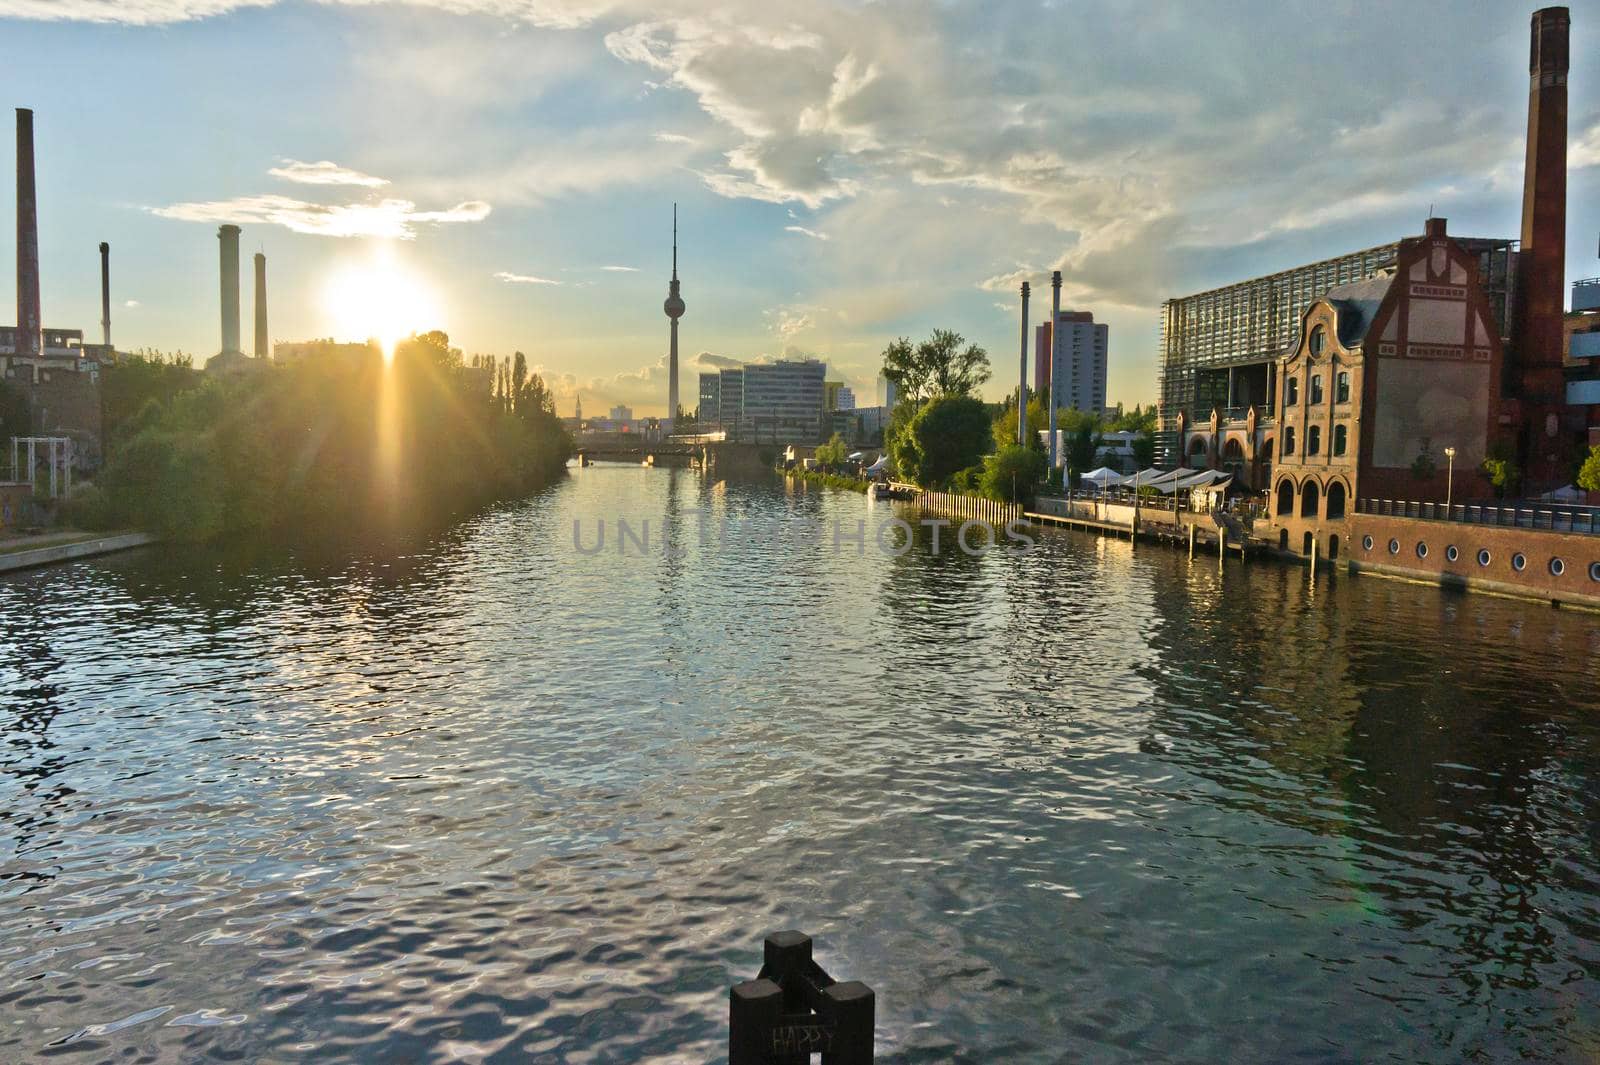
(1012, 474)
(1501, 469)
(1082, 445)
(1137, 420)
(1144, 451)
(939, 366)
(833, 453)
(1005, 426)
(1589, 473)
(944, 436)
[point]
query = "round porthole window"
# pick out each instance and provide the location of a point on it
(1519, 562)
(1394, 547)
(1422, 549)
(1557, 567)
(1594, 572)
(1451, 553)
(1484, 558)
(1366, 545)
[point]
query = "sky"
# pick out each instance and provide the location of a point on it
(845, 172)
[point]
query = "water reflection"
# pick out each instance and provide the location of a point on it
(489, 796)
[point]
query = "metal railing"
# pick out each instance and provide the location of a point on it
(1556, 517)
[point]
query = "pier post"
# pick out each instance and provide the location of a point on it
(1222, 548)
(1313, 560)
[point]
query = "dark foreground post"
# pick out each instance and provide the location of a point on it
(794, 1009)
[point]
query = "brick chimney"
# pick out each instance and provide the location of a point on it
(29, 320)
(1544, 215)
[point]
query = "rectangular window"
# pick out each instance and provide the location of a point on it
(1288, 440)
(1341, 439)
(1316, 388)
(1292, 395)
(1314, 440)
(1341, 388)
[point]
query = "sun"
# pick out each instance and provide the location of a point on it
(380, 298)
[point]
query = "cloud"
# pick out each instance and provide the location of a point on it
(523, 279)
(674, 138)
(324, 173)
(621, 269)
(130, 303)
(804, 232)
(394, 219)
(556, 14)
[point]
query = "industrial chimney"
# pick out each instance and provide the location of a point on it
(261, 305)
(1544, 215)
(29, 322)
(228, 239)
(105, 292)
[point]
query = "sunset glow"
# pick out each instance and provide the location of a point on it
(379, 298)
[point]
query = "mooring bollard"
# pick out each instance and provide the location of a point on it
(794, 1009)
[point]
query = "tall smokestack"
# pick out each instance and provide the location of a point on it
(228, 240)
(261, 305)
(105, 292)
(1544, 213)
(29, 322)
(1022, 377)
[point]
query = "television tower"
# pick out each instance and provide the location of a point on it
(674, 308)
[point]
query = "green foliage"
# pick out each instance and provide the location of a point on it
(834, 453)
(1500, 468)
(133, 389)
(336, 446)
(1005, 426)
(944, 436)
(1073, 421)
(1013, 474)
(968, 482)
(1589, 472)
(1144, 450)
(1082, 444)
(938, 366)
(1137, 420)
(87, 508)
(832, 480)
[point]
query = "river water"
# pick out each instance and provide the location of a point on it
(493, 798)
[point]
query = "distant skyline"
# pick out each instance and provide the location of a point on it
(845, 173)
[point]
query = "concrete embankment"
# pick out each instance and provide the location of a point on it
(44, 555)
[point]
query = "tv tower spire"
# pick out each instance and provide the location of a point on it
(674, 308)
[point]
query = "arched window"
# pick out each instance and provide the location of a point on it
(1288, 440)
(1341, 439)
(1314, 440)
(1291, 391)
(1316, 388)
(1333, 543)
(1309, 497)
(1306, 541)
(1197, 452)
(1286, 496)
(1341, 388)
(1319, 338)
(1264, 456)
(1233, 450)
(1335, 505)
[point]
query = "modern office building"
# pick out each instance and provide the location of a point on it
(709, 413)
(836, 395)
(730, 399)
(783, 401)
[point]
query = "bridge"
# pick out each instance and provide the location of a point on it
(708, 451)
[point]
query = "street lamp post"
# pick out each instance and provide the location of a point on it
(1450, 479)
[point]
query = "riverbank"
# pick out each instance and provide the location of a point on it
(830, 480)
(29, 551)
